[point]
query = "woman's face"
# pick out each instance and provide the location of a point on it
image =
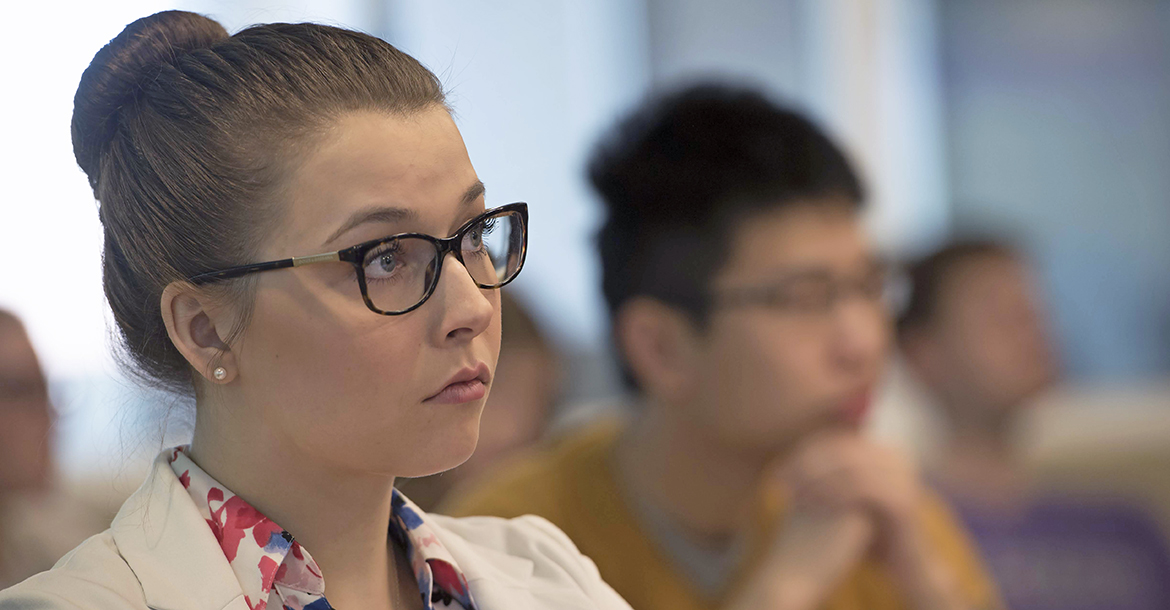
(342, 384)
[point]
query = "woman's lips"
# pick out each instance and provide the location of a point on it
(469, 384)
(460, 392)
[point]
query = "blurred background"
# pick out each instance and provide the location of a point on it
(1046, 122)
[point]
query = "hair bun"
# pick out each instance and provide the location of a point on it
(112, 78)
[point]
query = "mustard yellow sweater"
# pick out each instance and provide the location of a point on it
(572, 484)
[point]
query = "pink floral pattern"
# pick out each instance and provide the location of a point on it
(273, 568)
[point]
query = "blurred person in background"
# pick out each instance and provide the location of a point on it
(38, 523)
(518, 410)
(748, 310)
(975, 333)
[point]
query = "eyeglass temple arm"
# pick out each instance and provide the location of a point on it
(234, 272)
(328, 257)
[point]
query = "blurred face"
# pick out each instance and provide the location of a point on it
(990, 339)
(809, 355)
(521, 402)
(25, 416)
(346, 386)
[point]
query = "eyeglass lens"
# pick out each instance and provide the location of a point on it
(400, 272)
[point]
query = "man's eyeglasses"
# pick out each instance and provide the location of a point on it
(815, 292)
(397, 274)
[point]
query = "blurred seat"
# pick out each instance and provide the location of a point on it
(1107, 441)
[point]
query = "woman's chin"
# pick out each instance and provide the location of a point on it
(448, 452)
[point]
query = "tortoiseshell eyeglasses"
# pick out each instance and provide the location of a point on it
(397, 274)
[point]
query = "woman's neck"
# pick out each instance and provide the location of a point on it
(340, 517)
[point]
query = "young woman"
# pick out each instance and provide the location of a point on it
(295, 234)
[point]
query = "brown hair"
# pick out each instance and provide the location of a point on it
(186, 134)
(930, 275)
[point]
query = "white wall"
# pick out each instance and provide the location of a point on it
(1060, 111)
(50, 236)
(532, 83)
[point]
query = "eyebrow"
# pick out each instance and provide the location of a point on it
(391, 214)
(803, 272)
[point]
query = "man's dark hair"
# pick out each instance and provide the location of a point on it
(929, 275)
(678, 174)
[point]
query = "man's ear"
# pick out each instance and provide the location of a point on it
(660, 346)
(197, 328)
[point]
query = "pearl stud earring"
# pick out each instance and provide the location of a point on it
(219, 373)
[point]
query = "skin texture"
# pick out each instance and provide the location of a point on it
(325, 402)
(768, 400)
(524, 392)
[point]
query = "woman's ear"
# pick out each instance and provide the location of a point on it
(658, 343)
(197, 330)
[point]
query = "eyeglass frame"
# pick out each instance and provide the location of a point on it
(894, 287)
(355, 255)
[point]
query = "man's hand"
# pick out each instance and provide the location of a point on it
(840, 470)
(847, 497)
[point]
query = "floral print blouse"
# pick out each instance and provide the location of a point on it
(274, 570)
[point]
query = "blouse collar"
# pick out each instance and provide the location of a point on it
(267, 559)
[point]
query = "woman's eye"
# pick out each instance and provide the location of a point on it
(476, 236)
(383, 263)
(386, 263)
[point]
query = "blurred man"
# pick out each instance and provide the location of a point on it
(518, 410)
(36, 525)
(975, 334)
(748, 310)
